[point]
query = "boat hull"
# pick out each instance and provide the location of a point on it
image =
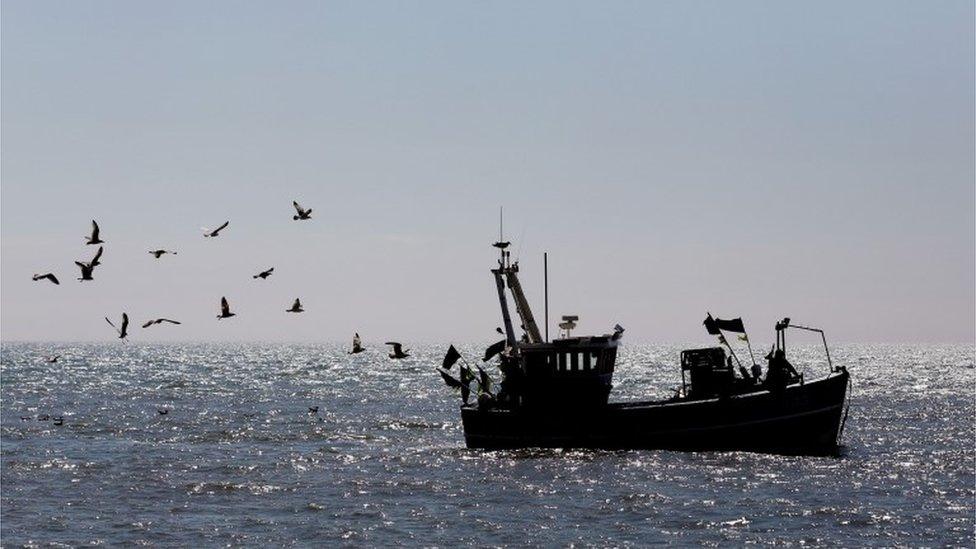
(799, 419)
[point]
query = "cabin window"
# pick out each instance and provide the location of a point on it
(575, 361)
(562, 362)
(586, 361)
(596, 359)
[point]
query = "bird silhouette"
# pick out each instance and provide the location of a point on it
(302, 212)
(94, 238)
(162, 411)
(357, 345)
(158, 253)
(86, 271)
(46, 276)
(160, 321)
(123, 331)
(224, 309)
(215, 232)
(264, 274)
(98, 255)
(296, 307)
(397, 350)
(313, 409)
(53, 359)
(59, 420)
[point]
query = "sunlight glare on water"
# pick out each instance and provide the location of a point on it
(239, 459)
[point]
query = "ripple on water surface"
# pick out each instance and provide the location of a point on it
(238, 457)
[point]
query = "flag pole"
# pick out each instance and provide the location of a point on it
(729, 347)
(749, 343)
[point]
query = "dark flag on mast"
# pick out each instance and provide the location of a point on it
(451, 357)
(467, 376)
(450, 380)
(494, 350)
(715, 326)
(733, 325)
(710, 325)
(484, 381)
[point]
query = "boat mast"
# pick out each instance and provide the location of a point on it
(510, 272)
(500, 284)
(522, 305)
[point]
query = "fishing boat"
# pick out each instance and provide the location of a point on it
(555, 393)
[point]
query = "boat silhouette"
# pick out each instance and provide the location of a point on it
(555, 394)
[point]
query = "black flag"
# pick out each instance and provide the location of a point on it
(466, 378)
(734, 325)
(449, 380)
(711, 326)
(715, 326)
(494, 350)
(484, 382)
(451, 357)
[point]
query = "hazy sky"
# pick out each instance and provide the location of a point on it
(766, 159)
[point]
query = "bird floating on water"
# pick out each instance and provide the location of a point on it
(53, 359)
(224, 309)
(160, 321)
(296, 307)
(123, 331)
(302, 212)
(313, 409)
(264, 274)
(94, 238)
(46, 276)
(397, 350)
(162, 411)
(357, 345)
(215, 232)
(158, 253)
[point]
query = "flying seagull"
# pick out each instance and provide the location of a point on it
(47, 276)
(302, 212)
(125, 326)
(98, 255)
(264, 274)
(160, 321)
(296, 307)
(224, 309)
(94, 238)
(86, 270)
(397, 350)
(357, 345)
(158, 253)
(208, 233)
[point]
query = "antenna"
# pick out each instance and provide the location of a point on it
(545, 283)
(501, 223)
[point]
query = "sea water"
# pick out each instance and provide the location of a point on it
(238, 459)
